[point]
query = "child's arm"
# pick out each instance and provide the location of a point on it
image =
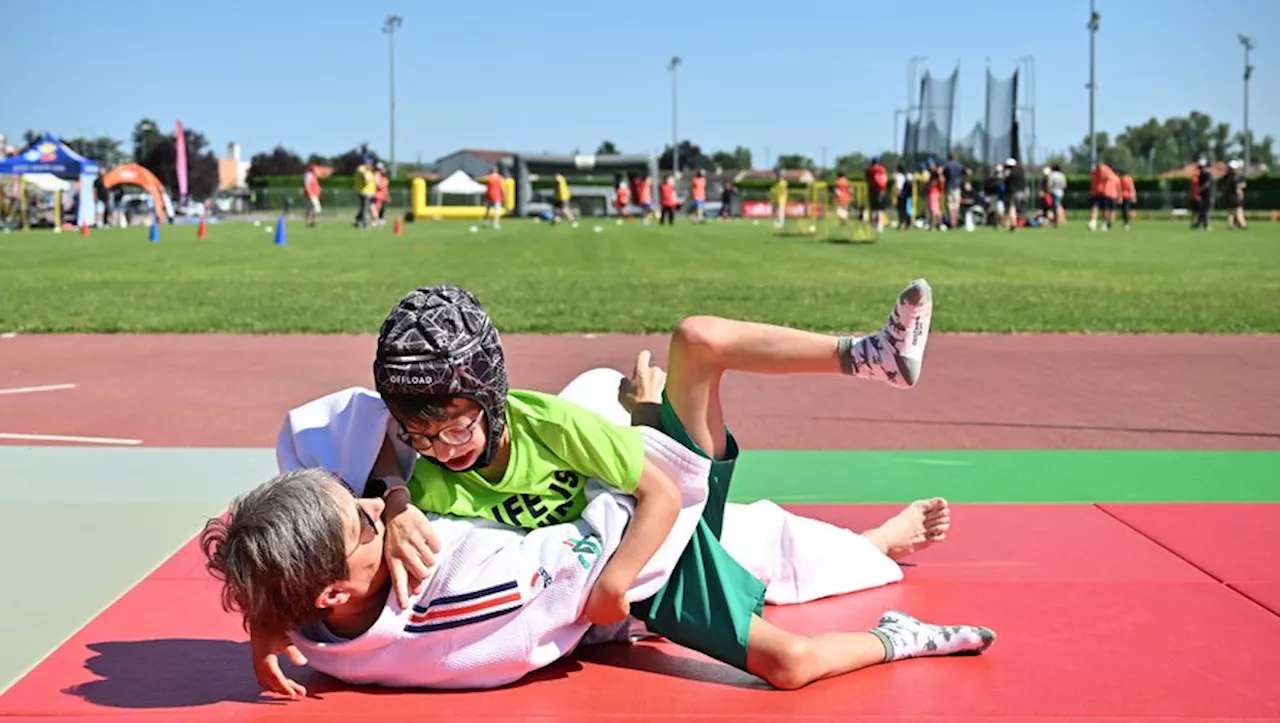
(410, 544)
(657, 505)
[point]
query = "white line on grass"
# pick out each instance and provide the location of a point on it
(45, 388)
(60, 438)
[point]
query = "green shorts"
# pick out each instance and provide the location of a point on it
(707, 603)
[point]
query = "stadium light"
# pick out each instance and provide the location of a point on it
(1248, 72)
(389, 27)
(1095, 21)
(672, 65)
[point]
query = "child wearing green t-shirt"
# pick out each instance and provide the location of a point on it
(522, 458)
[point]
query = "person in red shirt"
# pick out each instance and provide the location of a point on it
(1202, 194)
(493, 197)
(698, 189)
(1128, 196)
(843, 197)
(1104, 189)
(622, 200)
(311, 187)
(933, 192)
(877, 186)
(667, 198)
(382, 195)
(644, 195)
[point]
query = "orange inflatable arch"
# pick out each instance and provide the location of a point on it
(136, 175)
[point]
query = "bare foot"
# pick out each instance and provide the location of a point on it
(644, 386)
(916, 527)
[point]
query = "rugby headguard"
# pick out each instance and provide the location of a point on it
(439, 341)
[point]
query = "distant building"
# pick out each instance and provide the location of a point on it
(231, 170)
(475, 162)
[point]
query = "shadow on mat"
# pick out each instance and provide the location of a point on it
(171, 673)
(191, 672)
(650, 659)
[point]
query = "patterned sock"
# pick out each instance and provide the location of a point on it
(870, 357)
(906, 637)
(895, 354)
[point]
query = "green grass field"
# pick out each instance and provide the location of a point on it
(1158, 277)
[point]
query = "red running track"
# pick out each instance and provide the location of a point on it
(977, 392)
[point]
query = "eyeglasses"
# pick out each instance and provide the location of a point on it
(368, 528)
(452, 436)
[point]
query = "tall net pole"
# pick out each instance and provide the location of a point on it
(1095, 20)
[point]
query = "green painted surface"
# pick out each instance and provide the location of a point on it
(1009, 476)
(80, 526)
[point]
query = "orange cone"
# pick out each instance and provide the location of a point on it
(203, 230)
(84, 229)
(399, 226)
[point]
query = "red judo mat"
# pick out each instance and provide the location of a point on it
(1234, 543)
(1095, 622)
(1266, 594)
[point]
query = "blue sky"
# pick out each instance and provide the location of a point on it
(785, 77)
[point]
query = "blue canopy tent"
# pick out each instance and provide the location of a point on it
(52, 156)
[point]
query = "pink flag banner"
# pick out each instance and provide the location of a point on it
(181, 139)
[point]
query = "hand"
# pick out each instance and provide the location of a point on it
(607, 604)
(644, 386)
(266, 664)
(410, 548)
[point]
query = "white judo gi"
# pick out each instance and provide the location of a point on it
(502, 602)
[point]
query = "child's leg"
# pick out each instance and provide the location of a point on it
(703, 348)
(801, 559)
(791, 661)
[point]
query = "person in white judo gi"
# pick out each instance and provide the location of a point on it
(303, 555)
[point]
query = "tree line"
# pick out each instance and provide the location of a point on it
(1149, 148)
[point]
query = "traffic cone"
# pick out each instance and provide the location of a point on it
(399, 226)
(281, 237)
(154, 236)
(203, 230)
(84, 229)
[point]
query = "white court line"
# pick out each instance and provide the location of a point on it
(60, 438)
(45, 388)
(949, 462)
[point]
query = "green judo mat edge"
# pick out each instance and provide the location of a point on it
(1008, 476)
(215, 475)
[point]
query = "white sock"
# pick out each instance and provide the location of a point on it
(906, 637)
(907, 329)
(871, 357)
(896, 353)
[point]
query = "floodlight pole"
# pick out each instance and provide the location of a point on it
(1095, 20)
(675, 134)
(1248, 71)
(389, 27)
